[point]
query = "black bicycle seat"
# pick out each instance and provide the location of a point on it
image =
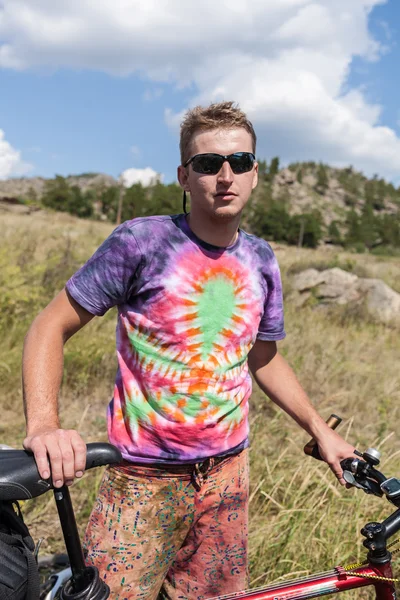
(20, 479)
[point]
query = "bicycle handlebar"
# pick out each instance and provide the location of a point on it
(311, 448)
(362, 473)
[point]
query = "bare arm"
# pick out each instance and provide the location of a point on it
(42, 369)
(276, 379)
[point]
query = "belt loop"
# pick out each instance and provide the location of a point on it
(201, 471)
(197, 476)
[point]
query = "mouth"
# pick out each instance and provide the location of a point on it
(225, 196)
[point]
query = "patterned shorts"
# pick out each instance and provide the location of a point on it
(174, 535)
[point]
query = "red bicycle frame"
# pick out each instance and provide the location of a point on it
(332, 582)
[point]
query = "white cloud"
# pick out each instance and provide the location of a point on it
(11, 163)
(145, 176)
(285, 61)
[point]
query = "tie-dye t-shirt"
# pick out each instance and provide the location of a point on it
(188, 315)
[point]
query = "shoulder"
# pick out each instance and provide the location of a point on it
(259, 246)
(155, 225)
(153, 222)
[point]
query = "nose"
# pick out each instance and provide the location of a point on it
(225, 174)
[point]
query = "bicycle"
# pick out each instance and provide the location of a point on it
(19, 480)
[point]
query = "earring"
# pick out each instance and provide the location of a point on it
(184, 202)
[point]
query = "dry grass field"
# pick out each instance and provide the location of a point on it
(301, 519)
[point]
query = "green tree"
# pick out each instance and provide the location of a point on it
(299, 175)
(262, 168)
(58, 195)
(165, 199)
(274, 167)
(369, 227)
(363, 230)
(108, 200)
(353, 234)
(375, 192)
(349, 180)
(272, 223)
(389, 230)
(81, 204)
(134, 203)
(307, 226)
(322, 179)
(334, 233)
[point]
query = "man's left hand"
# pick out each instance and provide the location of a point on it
(333, 449)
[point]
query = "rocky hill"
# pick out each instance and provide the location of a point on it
(339, 206)
(302, 186)
(333, 192)
(32, 188)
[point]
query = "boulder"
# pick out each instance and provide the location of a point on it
(381, 300)
(340, 287)
(335, 282)
(306, 280)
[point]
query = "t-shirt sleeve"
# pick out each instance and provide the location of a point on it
(107, 277)
(271, 326)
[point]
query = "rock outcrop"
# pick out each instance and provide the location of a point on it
(341, 287)
(33, 187)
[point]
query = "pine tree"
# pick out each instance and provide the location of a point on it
(322, 179)
(274, 167)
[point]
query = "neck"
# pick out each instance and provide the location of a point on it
(219, 233)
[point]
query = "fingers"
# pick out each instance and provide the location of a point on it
(59, 451)
(79, 448)
(333, 450)
(39, 450)
(337, 469)
(63, 461)
(339, 476)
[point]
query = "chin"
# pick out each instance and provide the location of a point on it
(227, 212)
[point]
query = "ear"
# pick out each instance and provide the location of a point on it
(183, 178)
(255, 176)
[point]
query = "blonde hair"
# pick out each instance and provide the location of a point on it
(224, 115)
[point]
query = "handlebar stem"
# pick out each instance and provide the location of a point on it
(376, 543)
(377, 535)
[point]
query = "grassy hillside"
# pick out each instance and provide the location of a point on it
(305, 204)
(301, 520)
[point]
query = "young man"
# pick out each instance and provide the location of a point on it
(199, 303)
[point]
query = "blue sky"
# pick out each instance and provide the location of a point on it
(86, 87)
(72, 122)
(380, 78)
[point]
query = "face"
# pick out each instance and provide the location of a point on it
(224, 195)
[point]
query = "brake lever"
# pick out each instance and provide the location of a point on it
(367, 485)
(351, 480)
(355, 473)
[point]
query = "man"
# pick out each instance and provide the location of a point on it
(199, 301)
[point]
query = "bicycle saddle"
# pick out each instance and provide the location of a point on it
(20, 479)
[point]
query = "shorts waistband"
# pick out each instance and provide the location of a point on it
(185, 468)
(197, 473)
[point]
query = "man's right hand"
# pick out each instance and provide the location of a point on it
(59, 452)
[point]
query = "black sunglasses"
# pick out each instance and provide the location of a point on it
(211, 163)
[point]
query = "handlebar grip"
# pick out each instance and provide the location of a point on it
(311, 448)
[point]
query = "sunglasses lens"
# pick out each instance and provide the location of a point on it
(210, 164)
(241, 162)
(207, 164)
